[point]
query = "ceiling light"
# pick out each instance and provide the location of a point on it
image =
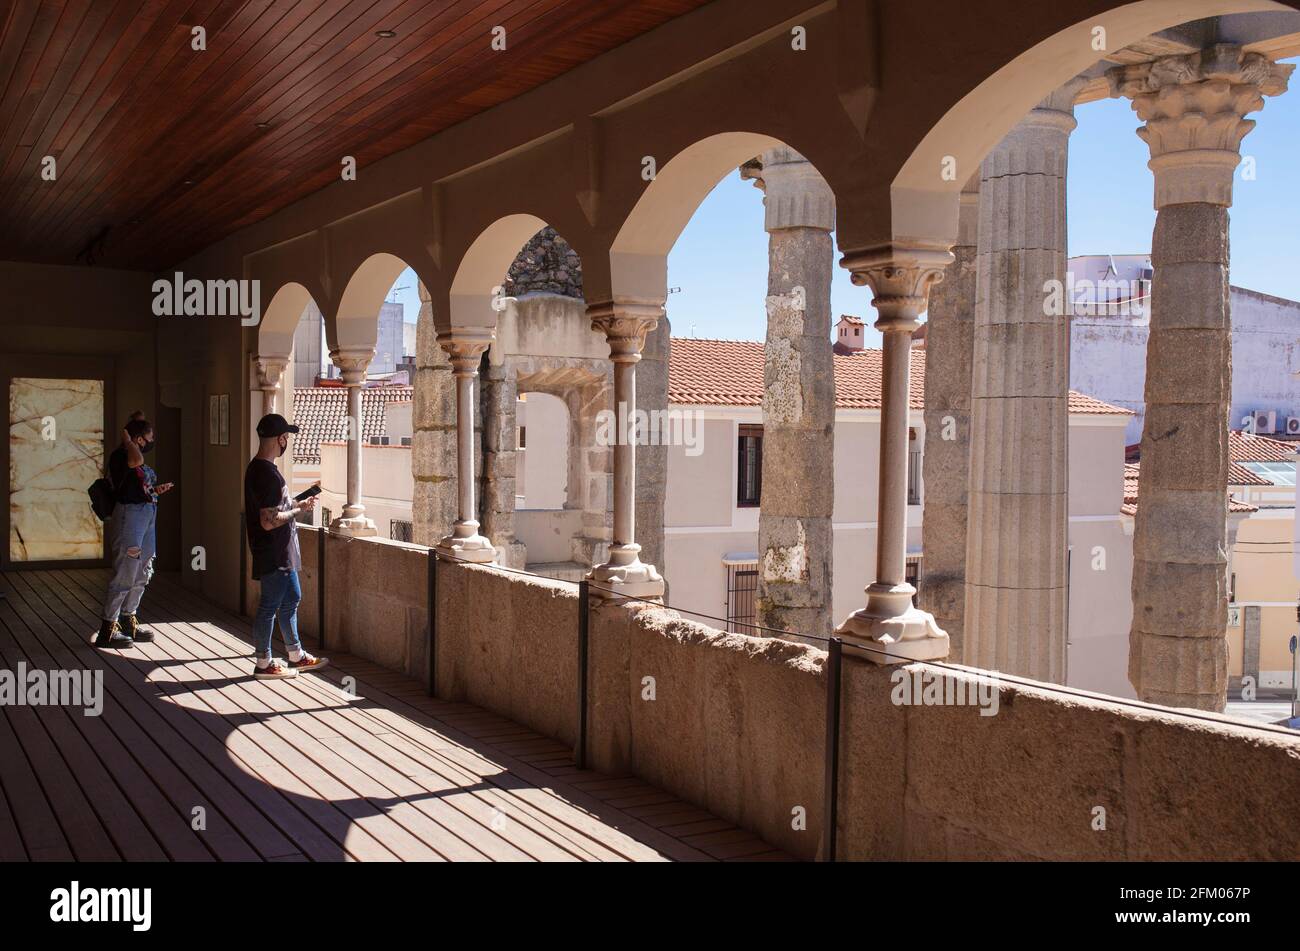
(386, 34)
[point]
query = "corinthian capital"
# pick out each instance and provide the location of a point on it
(625, 325)
(466, 346)
(269, 370)
(352, 363)
(1195, 107)
(900, 277)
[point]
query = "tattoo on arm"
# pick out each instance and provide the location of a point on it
(273, 518)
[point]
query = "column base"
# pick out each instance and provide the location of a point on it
(893, 630)
(466, 544)
(358, 526)
(625, 575)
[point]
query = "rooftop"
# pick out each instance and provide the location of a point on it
(1132, 470)
(320, 413)
(730, 373)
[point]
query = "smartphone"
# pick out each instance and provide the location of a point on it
(307, 493)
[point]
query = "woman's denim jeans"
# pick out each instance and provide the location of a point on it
(134, 545)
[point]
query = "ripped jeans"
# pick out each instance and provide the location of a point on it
(134, 545)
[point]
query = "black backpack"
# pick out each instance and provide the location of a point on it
(103, 498)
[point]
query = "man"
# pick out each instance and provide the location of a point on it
(273, 539)
(133, 538)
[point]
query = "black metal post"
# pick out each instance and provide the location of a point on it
(432, 610)
(832, 783)
(243, 566)
(320, 589)
(584, 620)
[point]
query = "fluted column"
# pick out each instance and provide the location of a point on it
(270, 370)
(890, 625)
(949, 347)
(1017, 522)
(1194, 107)
(352, 365)
(625, 324)
(465, 346)
(794, 521)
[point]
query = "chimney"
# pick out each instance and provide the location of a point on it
(850, 335)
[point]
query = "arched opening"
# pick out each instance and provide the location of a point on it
(521, 277)
(369, 347)
(704, 240)
(1146, 326)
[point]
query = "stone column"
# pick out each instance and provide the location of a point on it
(433, 455)
(498, 391)
(890, 626)
(352, 364)
(1017, 525)
(270, 370)
(652, 460)
(1194, 108)
(794, 521)
(625, 324)
(466, 346)
(949, 348)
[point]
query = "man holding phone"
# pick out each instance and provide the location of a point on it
(269, 515)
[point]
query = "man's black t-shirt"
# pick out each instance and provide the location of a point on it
(131, 486)
(264, 488)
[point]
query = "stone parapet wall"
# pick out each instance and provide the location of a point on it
(737, 725)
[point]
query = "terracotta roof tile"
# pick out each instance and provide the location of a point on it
(730, 373)
(1243, 447)
(319, 411)
(1131, 472)
(1240, 475)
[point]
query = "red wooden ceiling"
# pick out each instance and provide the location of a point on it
(158, 148)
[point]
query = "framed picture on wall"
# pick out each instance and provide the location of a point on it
(219, 419)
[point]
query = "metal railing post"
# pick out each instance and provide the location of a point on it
(832, 782)
(243, 566)
(584, 621)
(320, 590)
(432, 593)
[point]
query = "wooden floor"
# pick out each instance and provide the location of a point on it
(292, 770)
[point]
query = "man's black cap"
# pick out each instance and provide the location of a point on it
(273, 424)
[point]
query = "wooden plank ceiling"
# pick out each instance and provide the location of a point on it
(162, 150)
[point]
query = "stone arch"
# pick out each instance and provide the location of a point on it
(280, 320)
(638, 256)
(924, 202)
(482, 269)
(354, 324)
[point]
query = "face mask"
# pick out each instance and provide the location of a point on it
(148, 446)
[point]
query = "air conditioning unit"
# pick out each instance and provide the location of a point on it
(1293, 425)
(1265, 421)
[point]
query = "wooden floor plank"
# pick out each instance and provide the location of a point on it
(255, 705)
(259, 813)
(131, 838)
(297, 770)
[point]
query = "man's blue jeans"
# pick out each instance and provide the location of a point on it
(280, 596)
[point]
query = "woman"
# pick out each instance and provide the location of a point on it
(134, 543)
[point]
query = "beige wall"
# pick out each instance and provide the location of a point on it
(1262, 562)
(386, 481)
(545, 467)
(703, 523)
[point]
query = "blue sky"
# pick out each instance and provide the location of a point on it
(720, 260)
